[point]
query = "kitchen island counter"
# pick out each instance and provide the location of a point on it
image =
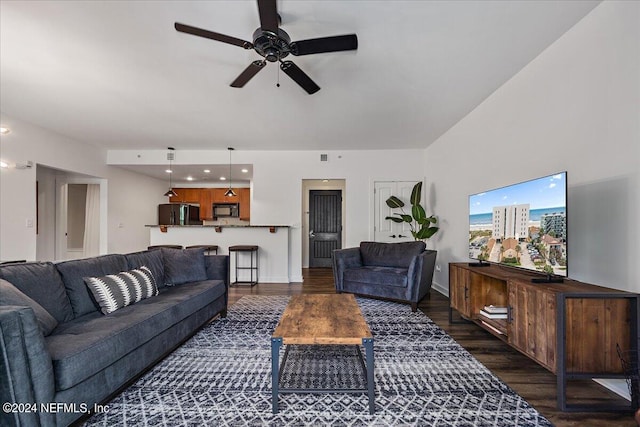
(272, 241)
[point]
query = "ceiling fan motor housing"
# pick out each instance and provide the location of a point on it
(271, 46)
(274, 44)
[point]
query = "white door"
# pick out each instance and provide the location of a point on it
(385, 230)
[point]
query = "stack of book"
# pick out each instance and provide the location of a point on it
(494, 312)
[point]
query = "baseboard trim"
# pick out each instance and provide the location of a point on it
(444, 290)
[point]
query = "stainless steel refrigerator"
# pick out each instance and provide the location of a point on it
(178, 214)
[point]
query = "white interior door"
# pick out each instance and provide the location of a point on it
(385, 230)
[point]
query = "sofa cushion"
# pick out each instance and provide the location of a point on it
(73, 274)
(388, 276)
(116, 291)
(151, 259)
(88, 344)
(390, 254)
(183, 265)
(10, 295)
(41, 282)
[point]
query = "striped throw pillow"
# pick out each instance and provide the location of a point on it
(115, 291)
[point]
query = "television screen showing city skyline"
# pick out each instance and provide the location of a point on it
(522, 225)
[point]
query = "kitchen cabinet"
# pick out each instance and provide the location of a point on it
(186, 195)
(206, 201)
(206, 197)
(245, 203)
(219, 197)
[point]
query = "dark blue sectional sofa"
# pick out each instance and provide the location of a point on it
(59, 355)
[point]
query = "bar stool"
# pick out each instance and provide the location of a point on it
(164, 246)
(207, 248)
(252, 249)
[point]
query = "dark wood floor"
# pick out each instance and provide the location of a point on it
(527, 378)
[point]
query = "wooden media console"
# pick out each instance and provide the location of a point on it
(571, 328)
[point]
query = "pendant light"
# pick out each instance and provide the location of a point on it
(170, 156)
(230, 192)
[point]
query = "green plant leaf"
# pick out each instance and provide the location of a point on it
(416, 194)
(418, 213)
(426, 233)
(395, 219)
(419, 222)
(407, 218)
(393, 202)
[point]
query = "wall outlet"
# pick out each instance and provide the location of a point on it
(29, 222)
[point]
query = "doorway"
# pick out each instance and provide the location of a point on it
(325, 226)
(322, 232)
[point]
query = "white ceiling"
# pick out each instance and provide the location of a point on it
(116, 73)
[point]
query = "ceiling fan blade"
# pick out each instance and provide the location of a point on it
(211, 35)
(268, 15)
(324, 44)
(299, 76)
(248, 73)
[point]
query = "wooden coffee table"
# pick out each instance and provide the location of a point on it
(322, 319)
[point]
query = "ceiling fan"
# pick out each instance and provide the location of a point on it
(274, 44)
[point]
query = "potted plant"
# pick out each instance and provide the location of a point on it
(422, 226)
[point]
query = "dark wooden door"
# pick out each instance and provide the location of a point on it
(325, 226)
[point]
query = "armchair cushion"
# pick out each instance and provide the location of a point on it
(387, 276)
(390, 255)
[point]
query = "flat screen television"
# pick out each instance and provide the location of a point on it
(522, 225)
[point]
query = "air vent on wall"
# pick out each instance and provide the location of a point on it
(324, 157)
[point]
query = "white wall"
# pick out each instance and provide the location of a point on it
(577, 108)
(130, 195)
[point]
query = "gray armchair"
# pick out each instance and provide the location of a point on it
(395, 271)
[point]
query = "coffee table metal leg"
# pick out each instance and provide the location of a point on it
(368, 347)
(276, 343)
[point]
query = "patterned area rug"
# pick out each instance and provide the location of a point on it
(222, 377)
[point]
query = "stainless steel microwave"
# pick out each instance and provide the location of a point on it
(226, 210)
